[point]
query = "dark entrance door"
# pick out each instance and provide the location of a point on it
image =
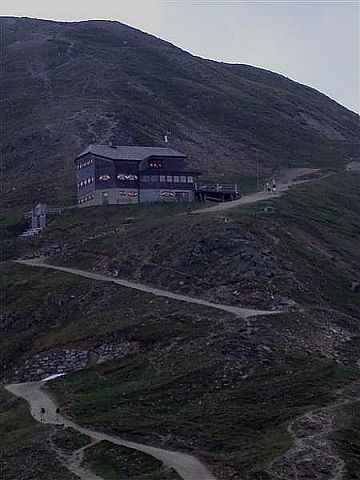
(182, 196)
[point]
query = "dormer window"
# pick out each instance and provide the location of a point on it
(155, 164)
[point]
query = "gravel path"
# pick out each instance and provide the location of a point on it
(252, 198)
(238, 311)
(188, 467)
(285, 180)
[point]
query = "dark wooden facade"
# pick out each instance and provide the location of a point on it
(109, 174)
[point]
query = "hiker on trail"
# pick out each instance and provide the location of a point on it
(268, 187)
(42, 414)
(188, 208)
(274, 186)
(57, 411)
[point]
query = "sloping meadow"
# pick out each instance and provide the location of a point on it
(201, 380)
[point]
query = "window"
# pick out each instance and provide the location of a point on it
(127, 176)
(84, 164)
(176, 178)
(162, 178)
(183, 179)
(146, 178)
(155, 164)
(154, 178)
(104, 177)
(169, 178)
(190, 179)
(88, 198)
(130, 176)
(85, 182)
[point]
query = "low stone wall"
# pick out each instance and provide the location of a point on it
(70, 360)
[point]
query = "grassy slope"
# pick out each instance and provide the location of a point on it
(44, 310)
(214, 408)
(113, 462)
(209, 383)
(320, 227)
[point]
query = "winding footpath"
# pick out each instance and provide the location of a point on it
(188, 467)
(313, 453)
(238, 311)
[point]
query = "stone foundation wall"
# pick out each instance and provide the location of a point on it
(69, 360)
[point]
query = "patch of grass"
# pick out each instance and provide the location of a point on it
(318, 226)
(12, 226)
(332, 203)
(17, 425)
(113, 462)
(69, 440)
(347, 440)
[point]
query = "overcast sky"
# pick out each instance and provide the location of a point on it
(315, 42)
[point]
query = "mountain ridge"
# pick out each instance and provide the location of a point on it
(67, 85)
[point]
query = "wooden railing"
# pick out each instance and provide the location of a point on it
(217, 187)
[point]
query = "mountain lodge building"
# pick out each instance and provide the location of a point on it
(112, 174)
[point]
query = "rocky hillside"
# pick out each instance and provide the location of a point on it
(65, 85)
(273, 396)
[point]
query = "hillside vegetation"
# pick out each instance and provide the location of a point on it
(66, 85)
(266, 397)
(228, 390)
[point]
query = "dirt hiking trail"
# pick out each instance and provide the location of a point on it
(314, 455)
(238, 311)
(188, 467)
(284, 180)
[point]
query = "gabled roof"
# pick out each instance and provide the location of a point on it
(129, 152)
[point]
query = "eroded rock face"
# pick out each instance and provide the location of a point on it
(220, 262)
